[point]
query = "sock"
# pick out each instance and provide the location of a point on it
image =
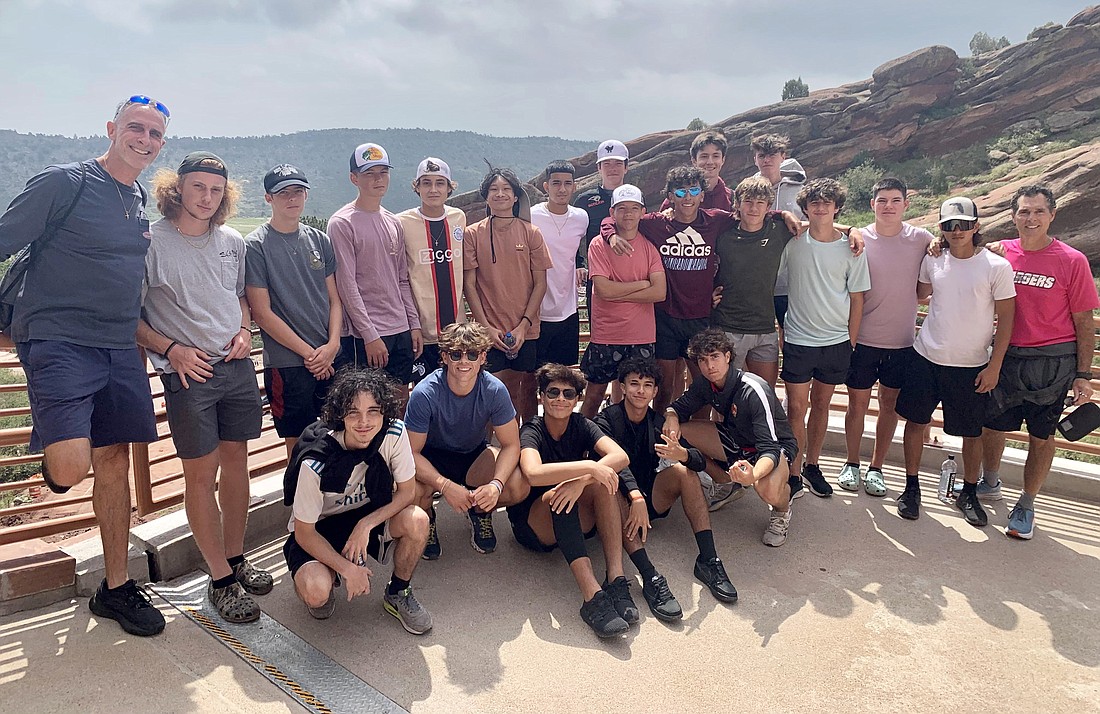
(971, 488)
(705, 541)
(641, 561)
(991, 478)
(912, 481)
(235, 560)
(1026, 501)
(225, 582)
(852, 463)
(567, 529)
(396, 585)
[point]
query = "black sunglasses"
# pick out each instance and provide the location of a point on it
(957, 225)
(554, 393)
(147, 101)
(470, 355)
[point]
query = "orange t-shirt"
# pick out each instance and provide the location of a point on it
(505, 259)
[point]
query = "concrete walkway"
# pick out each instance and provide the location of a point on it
(859, 611)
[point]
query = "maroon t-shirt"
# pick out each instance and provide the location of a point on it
(720, 197)
(690, 259)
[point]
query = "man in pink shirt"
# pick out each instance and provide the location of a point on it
(381, 323)
(624, 289)
(1050, 352)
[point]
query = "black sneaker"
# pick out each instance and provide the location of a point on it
(49, 481)
(128, 605)
(483, 538)
(795, 483)
(909, 504)
(713, 575)
(599, 614)
(971, 509)
(619, 592)
(813, 477)
(660, 600)
(432, 550)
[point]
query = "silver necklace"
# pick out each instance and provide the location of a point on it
(560, 227)
(123, 202)
(200, 244)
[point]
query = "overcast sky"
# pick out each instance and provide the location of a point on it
(586, 69)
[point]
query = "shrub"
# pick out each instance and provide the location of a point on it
(795, 88)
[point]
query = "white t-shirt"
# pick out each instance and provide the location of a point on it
(563, 236)
(311, 504)
(890, 306)
(959, 326)
(823, 276)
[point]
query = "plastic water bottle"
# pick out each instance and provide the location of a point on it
(509, 340)
(948, 470)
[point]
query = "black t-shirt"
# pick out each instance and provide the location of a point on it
(577, 443)
(747, 267)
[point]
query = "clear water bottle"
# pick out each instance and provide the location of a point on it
(509, 340)
(946, 490)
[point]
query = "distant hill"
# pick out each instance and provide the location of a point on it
(322, 154)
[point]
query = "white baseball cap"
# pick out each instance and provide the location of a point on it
(432, 166)
(958, 208)
(612, 149)
(367, 156)
(627, 193)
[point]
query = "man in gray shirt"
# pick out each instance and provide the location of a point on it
(291, 288)
(74, 331)
(196, 322)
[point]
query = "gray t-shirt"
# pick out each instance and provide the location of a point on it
(193, 288)
(292, 267)
(84, 287)
(822, 277)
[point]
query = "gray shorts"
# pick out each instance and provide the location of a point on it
(758, 348)
(226, 407)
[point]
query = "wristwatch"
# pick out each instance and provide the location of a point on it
(1084, 375)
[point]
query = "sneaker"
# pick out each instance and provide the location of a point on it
(985, 491)
(599, 614)
(482, 536)
(325, 611)
(849, 478)
(775, 534)
(233, 603)
(619, 592)
(816, 482)
(713, 575)
(724, 493)
(909, 504)
(130, 606)
(797, 490)
(432, 550)
(660, 600)
(1021, 523)
(252, 579)
(873, 483)
(971, 509)
(53, 486)
(407, 609)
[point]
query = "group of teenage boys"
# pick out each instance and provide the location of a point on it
(390, 402)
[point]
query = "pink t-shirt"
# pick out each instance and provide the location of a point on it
(890, 306)
(623, 323)
(1051, 285)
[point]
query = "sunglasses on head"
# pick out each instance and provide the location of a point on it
(958, 225)
(554, 393)
(682, 192)
(146, 101)
(470, 355)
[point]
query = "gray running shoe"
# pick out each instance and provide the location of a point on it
(775, 534)
(724, 493)
(325, 611)
(407, 609)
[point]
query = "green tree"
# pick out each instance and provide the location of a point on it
(795, 88)
(320, 224)
(696, 124)
(981, 43)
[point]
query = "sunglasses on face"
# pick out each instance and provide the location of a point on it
(682, 192)
(554, 393)
(146, 101)
(958, 225)
(470, 355)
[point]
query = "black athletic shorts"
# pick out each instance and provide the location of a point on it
(400, 362)
(1041, 418)
(928, 385)
(828, 365)
(525, 361)
(518, 516)
(600, 363)
(878, 364)
(336, 529)
(673, 334)
(296, 397)
(559, 342)
(454, 465)
(426, 363)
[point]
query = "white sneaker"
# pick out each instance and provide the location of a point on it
(775, 534)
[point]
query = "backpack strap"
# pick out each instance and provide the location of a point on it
(55, 228)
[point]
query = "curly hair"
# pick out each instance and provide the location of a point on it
(709, 137)
(768, 144)
(822, 189)
(707, 342)
(754, 188)
(349, 382)
(640, 366)
(684, 177)
(166, 189)
(464, 336)
(549, 373)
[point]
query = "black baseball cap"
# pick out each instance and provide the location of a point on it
(205, 162)
(284, 176)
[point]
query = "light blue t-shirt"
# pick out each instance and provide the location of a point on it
(821, 277)
(457, 423)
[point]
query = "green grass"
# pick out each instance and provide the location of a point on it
(246, 225)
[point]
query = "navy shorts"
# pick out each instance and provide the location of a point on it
(454, 465)
(93, 393)
(559, 342)
(226, 407)
(525, 361)
(878, 364)
(296, 397)
(400, 362)
(600, 363)
(928, 384)
(828, 364)
(336, 529)
(673, 334)
(428, 362)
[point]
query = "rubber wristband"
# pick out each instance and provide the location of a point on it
(528, 320)
(499, 484)
(246, 329)
(165, 353)
(1084, 375)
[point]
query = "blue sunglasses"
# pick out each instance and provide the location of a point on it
(682, 192)
(147, 101)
